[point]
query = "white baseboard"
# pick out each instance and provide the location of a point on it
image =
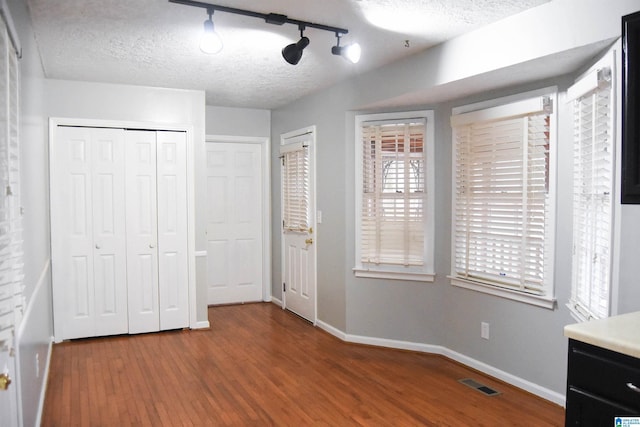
(276, 301)
(204, 324)
(333, 331)
(516, 381)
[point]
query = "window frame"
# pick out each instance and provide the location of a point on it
(547, 298)
(585, 85)
(426, 272)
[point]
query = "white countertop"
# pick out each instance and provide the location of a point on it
(617, 333)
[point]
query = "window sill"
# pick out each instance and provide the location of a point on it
(537, 300)
(394, 275)
(580, 315)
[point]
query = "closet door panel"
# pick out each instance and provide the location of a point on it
(172, 230)
(72, 240)
(87, 203)
(109, 230)
(141, 213)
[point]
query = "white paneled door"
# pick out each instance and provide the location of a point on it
(156, 230)
(8, 397)
(88, 232)
(235, 214)
(142, 237)
(172, 230)
(298, 223)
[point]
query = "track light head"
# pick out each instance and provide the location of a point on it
(350, 52)
(210, 41)
(293, 52)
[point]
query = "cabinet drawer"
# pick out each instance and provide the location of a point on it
(586, 410)
(605, 373)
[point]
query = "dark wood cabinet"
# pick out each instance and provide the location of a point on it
(601, 385)
(631, 109)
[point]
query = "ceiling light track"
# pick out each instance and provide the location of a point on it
(292, 52)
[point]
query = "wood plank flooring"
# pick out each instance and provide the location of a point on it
(259, 365)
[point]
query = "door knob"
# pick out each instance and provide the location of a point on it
(308, 241)
(97, 246)
(4, 381)
(152, 245)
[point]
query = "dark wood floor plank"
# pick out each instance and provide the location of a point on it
(259, 365)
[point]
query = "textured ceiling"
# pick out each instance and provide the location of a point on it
(155, 43)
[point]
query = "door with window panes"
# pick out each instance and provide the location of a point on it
(298, 225)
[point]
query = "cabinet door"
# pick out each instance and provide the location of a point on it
(172, 230)
(87, 232)
(141, 211)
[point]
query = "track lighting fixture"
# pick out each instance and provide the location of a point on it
(350, 52)
(211, 42)
(293, 52)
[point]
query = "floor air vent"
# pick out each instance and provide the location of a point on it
(479, 386)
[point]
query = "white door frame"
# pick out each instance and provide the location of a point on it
(54, 122)
(312, 220)
(265, 144)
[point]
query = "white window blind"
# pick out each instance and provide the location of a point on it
(11, 268)
(593, 173)
(393, 193)
(295, 186)
(502, 206)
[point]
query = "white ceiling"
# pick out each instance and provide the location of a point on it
(155, 43)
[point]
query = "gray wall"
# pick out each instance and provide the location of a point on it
(36, 329)
(526, 342)
(237, 121)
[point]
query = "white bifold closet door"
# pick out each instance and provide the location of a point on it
(88, 242)
(118, 231)
(156, 230)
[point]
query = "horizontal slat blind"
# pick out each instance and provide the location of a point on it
(393, 193)
(11, 268)
(295, 187)
(592, 203)
(501, 201)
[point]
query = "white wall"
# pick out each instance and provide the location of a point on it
(521, 53)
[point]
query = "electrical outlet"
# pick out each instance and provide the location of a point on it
(484, 330)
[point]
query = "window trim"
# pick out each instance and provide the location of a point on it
(582, 85)
(494, 107)
(425, 273)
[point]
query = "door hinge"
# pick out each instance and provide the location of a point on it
(284, 287)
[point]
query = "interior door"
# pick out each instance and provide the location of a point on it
(235, 215)
(142, 231)
(87, 232)
(173, 292)
(298, 232)
(8, 397)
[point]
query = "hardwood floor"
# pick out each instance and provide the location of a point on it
(260, 365)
